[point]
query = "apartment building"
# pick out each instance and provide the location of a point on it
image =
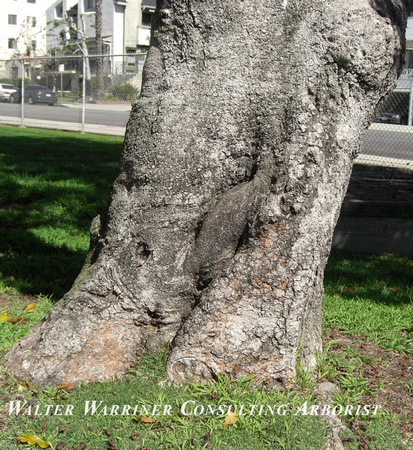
(22, 32)
(125, 25)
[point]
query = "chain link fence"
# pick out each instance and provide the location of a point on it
(389, 140)
(94, 94)
(90, 93)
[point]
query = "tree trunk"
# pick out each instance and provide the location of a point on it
(99, 51)
(236, 160)
(85, 51)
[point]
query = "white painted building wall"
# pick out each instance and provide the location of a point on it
(409, 30)
(15, 25)
(118, 34)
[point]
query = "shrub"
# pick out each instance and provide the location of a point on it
(125, 91)
(15, 82)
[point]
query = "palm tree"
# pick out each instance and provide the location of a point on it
(99, 50)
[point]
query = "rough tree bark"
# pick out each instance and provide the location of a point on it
(236, 160)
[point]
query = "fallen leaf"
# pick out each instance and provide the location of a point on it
(17, 320)
(347, 440)
(60, 445)
(43, 444)
(43, 427)
(134, 436)
(33, 440)
(30, 439)
(147, 419)
(230, 419)
(376, 262)
(394, 289)
(348, 288)
(82, 446)
(3, 317)
(30, 307)
(62, 428)
(65, 387)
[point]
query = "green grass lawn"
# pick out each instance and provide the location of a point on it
(371, 295)
(52, 185)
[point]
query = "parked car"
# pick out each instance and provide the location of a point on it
(5, 91)
(34, 94)
(385, 117)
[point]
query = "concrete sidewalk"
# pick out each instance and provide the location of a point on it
(64, 126)
(99, 106)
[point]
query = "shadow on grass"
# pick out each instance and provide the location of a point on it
(52, 184)
(31, 266)
(386, 278)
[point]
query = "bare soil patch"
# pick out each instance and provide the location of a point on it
(7, 299)
(390, 378)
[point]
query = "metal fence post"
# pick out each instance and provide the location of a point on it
(409, 121)
(83, 92)
(22, 99)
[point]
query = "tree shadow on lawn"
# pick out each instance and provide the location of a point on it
(75, 159)
(50, 190)
(386, 278)
(33, 267)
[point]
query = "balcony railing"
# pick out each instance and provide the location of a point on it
(406, 74)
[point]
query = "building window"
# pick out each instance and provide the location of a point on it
(14, 72)
(59, 11)
(90, 5)
(12, 43)
(146, 19)
(31, 1)
(12, 19)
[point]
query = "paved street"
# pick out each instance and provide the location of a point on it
(98, 118)
(394, 141)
